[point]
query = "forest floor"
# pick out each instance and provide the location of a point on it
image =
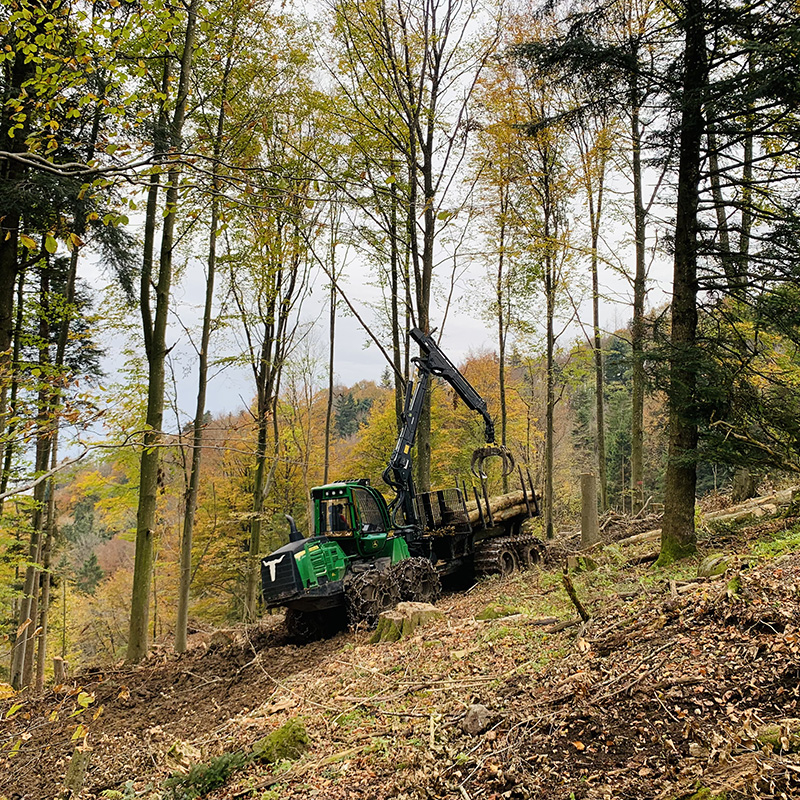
(666, 692)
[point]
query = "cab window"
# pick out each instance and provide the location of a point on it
(336, 517)
(369, 512)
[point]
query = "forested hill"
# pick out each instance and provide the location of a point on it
(683, 683)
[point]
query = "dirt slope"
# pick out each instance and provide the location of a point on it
(663, 693)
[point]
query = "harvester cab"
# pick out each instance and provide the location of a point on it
(355, 515)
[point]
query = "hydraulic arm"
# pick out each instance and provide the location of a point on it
(398, 473)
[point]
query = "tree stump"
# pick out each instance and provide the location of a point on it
(402, 621)
(76, 771)
(60, 668)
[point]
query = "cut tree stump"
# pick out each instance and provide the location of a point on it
(402, 621)
(60, 670)
(76, 771)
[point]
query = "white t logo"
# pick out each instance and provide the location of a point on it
(271, 565)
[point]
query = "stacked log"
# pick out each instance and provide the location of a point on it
(503, 507)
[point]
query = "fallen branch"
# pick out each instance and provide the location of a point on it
(647, 558)
(646, 536)
(291, 774)
(562, 626)
(584, 614)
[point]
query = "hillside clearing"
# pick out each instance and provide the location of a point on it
(665, 692)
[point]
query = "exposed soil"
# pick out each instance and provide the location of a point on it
(662, 693)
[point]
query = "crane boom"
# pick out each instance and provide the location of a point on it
(398, 472)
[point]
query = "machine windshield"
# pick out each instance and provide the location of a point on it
(368, 511)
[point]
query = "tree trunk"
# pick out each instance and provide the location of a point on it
(190, 507)
(594, 218)
(155, 346)
(678, 537)
(262, 485)
(502, 329)
(394, 260)
(550, 402)
(637, 325)
(23, 657)
(46, 580)
(11, 406)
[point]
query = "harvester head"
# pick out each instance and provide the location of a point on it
(490, 451)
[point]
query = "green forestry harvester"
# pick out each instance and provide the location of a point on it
(365, 556)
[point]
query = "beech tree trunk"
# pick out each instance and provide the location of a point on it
(155, 333)
(193, 488)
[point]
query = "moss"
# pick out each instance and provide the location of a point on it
(203, 778)
(785, 541)
(712, 566)
(734, 587)
(673, 550)
(707, 794)
(289, 741)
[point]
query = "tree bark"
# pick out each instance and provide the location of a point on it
(193, 489)
(156, 349)
(678, 537)
(329, 403)
(549, 426)
(637, 325)
(11, 393)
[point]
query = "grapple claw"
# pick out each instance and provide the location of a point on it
(482, 453)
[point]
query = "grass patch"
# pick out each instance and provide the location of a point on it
(778, 543)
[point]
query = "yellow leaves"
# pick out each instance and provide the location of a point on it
(26, 241)
(50, 244)
(6, 691)
(84, 700)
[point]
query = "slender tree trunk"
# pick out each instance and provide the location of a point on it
(329, 404)
(502, 327)
(637, 325)
(747, 191)
(262, 484)
(54, 399)
(193, 489)
(678, 537)
(46, 580)
(394, 261)
(595, 214)
(23, 654)
(10, 407)
(549, 427)
(155, 336)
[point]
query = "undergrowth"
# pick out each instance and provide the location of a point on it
(778, 543)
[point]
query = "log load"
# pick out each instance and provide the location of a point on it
(503, 507)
